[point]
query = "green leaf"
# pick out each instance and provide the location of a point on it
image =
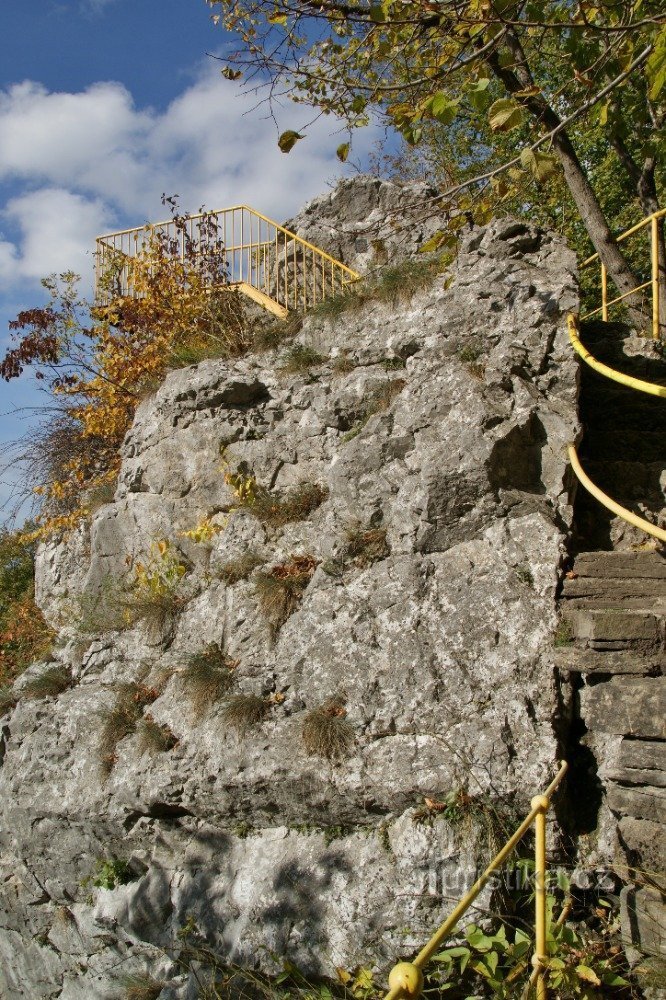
(588, 975)
(656, 66)
(288, 140)
(277, 19)
(231, 74)
(603, 113)
(612, 979)
(443, 108)
(504, 115)
(378, 14)
(541, 165)
(342, 152)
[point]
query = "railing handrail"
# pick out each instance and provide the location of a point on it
(235, 208)
(629, 232)
(633, 383)
(406, 978)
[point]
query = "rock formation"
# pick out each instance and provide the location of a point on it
(432, 436)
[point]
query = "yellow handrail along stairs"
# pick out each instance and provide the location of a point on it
(263, 260)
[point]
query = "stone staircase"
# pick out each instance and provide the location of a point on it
(614, 602)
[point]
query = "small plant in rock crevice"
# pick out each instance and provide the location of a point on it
(154, 737)
(122, 718)
(365, 546)
(244, 711)
(326, 731)
(142, 987)
(276, 508)
(156, 589)
(280, 589)
(300, 359)
(239, 569)
(48, 684)
(207, 677)
(379, 400)
(110, 873)
(564, 634)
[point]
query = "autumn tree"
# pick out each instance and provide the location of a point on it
(545, 64)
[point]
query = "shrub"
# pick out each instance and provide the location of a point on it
(111, 872)
(120, 720)
(207, 677)
(239, 569)
(244, 711)
(155, 594)
(24, 635)
(47, 684)
(366, 546)
(326, 731)
(280, 589)
(154, 737)
(300, 358)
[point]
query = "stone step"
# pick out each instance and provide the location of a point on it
(621, 565)
(641, 802)
(583, 660)
(614, 589)
(626, 706)
(615, 629)
(642, 753)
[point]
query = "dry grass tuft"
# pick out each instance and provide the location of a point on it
(366, 546)
(280, 589)
(244, 711)
(142, 987)
(207, 678)
(108, 610)
(239, 569)
(154, 737)
(326, 731)
(122, 718)
(48, 684)
(8, 699)
(299, 359)
(297, 504)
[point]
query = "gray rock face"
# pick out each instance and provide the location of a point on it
(366, 222)
(440, 650)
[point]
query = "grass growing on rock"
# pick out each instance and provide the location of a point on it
(207, 677)
(280, 589)
(239, 569)
(244, 711)
(326, 731)
(142, 987)
(8, 699)
(366, 546)
(379, 400)
(563, 635)
(107, 610)
(395, 283)
(122, 718)
(47, 684)
(278, 509)
(300, 359)
(154, 737)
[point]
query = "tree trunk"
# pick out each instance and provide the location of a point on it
(518, 79)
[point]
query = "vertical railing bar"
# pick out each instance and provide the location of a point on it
(604, 293)
(540, 957)
(655, 277)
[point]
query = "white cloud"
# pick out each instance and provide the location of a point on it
(86, 162)
(57, 233)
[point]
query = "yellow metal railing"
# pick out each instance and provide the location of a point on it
(406, 978)
(651, 388)
(653, 221)
(261, 258)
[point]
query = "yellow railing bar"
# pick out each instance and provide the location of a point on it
(235, 208)
(612, 505)
(406, 978)
(630, 232)
(606, 303)
(628, 380)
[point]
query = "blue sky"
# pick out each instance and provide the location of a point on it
(104, 105)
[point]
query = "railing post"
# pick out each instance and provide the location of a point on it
(604, 293)
(655, 276)
(540, 957)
